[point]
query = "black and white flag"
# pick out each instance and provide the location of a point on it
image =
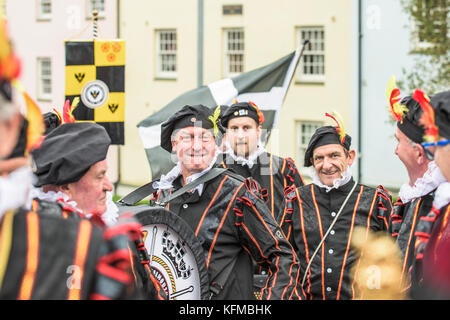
(266, 87)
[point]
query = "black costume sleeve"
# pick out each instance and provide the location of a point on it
(263, 239)
(291, 174)
(384, 207)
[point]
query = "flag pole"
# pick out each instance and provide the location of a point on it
(95, 24)
(293, 67)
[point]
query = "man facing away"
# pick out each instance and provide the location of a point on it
(415, 196)
(320, 217)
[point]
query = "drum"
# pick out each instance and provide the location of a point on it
(177, 259)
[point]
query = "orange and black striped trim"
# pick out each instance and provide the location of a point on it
(349, 242)
(81, 251)
(210, 204)
(32, 259)
(208, 259)
(321, 237)
(6, 234)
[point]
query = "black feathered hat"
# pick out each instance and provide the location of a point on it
(242, 109)
(68, 152)
(327, 135)
(410, 124)
(441, 104)
(192, 116)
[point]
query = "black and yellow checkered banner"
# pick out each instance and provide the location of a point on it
(95, 72)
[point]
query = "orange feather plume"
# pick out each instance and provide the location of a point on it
(259, 112)
(427, 119)
(36, 125)
(340, 125)
(67, 116)
(396, 109)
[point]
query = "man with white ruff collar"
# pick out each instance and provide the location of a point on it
(415, 196)
(225, 211)
(246, 155)
(71, 168)
(320, 217)
(430, 274)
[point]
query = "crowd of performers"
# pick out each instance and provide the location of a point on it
(62, 236)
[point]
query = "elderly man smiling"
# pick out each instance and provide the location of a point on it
(225, 211)
(71, 168)
(320, 217)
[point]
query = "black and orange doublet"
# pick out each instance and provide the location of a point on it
(308, 214)
(273, 173)
(402, 226)
(52, 252)
(231, 220)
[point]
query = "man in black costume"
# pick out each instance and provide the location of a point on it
(246, 155)
(415, 196)
(226, 212)
(320, 217)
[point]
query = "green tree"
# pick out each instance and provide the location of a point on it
(431, 49)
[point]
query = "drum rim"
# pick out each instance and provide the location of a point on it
(153, 215)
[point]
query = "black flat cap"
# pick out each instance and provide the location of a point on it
(323, 136)
(190, 116)
(441, 104)
(68, 152)
(410, 125)
(240, 109)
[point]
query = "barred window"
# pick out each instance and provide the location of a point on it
(44, 78)
(166, 48)
(44, 10)
(312, 65)
(305, 130)
(234, 51)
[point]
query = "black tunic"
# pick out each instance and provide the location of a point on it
(309, 213)
(53, 253)
(402, 226)
(273, 173)
(231, 220)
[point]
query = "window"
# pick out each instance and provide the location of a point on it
(234, 52)
(44, 10)
(44, 78)
(166, 53)
(312, 65)
(430, 20)
(232, 9)
(98, 5)
(305, 130)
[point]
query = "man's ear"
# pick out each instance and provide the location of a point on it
(351, 157)
(421, 156)
(259, 131)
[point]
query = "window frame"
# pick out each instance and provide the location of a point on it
(227, 53)
(43, 16)
(301, 147)
(90, 8)
(311, 78)
(41, 95)
(160, 73)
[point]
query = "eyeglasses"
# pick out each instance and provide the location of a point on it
(428, 145)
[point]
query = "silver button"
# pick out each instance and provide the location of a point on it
(328, 289)
(330, 251)
(333, 214)
(332, 232)
(185, 206)
(329, 270)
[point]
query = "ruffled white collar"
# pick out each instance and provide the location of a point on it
(346, 176)
(252, 159)
(166, 181)
(431, 179)
(109, 217)
(15, 189)
(442, 196)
